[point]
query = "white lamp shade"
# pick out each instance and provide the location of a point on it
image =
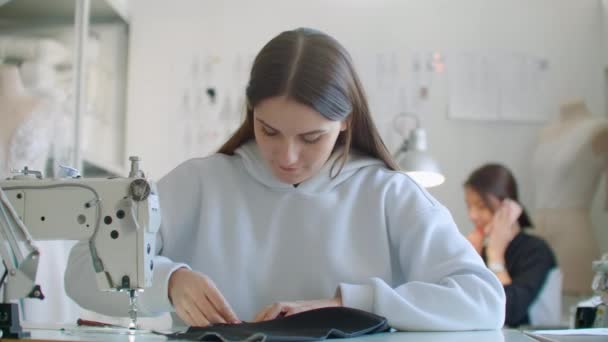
(427, 179)
(421, 167)
(414, 159)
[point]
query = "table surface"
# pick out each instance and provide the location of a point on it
(114, 335)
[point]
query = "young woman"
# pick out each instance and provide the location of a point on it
(303, 208)
(521, 261)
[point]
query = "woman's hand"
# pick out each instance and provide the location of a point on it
(502, 229)
(282, 309)
(197, 300)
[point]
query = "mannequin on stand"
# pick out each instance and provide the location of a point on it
(25, 136)
(16, 110)
(568, 162)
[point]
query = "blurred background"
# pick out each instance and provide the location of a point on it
(164, 80)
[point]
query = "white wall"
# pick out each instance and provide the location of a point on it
(605, 24)
(166, 34)
(605, 48)
(599, 211)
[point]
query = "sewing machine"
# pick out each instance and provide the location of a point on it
(119, 217)
(593, 313)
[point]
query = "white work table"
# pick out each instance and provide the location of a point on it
(505, 335)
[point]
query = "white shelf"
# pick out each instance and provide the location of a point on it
(61, 10)
(108, 20)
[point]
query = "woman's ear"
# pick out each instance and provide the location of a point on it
(494, 202)
(345, 123)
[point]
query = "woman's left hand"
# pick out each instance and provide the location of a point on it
(283, 309)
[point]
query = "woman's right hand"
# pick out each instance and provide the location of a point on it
(197, 300)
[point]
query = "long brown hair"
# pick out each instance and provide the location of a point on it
(497, 180)
(313, 69)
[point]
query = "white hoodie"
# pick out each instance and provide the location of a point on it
(373, 233)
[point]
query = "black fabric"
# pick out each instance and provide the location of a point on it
(313, 325)
(528, 260)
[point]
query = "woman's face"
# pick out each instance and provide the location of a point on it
(479, 213)
(294, 139)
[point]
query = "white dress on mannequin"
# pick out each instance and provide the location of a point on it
(21, 115)
(25, 135)
(568, 162)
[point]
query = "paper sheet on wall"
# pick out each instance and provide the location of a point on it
(472, 87)
(493, 86)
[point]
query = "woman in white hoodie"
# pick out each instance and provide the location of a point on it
(302, 208)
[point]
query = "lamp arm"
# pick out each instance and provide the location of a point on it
(405, 115)
(404, 145)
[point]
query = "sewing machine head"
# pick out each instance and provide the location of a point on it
(119, 217)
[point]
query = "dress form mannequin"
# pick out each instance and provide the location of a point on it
(25, 136)
(568, 162)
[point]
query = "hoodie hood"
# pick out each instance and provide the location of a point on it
(321, 182)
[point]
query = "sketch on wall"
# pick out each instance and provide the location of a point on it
(210, 103)
(210, 100)
(398, 81)
(489, 86)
